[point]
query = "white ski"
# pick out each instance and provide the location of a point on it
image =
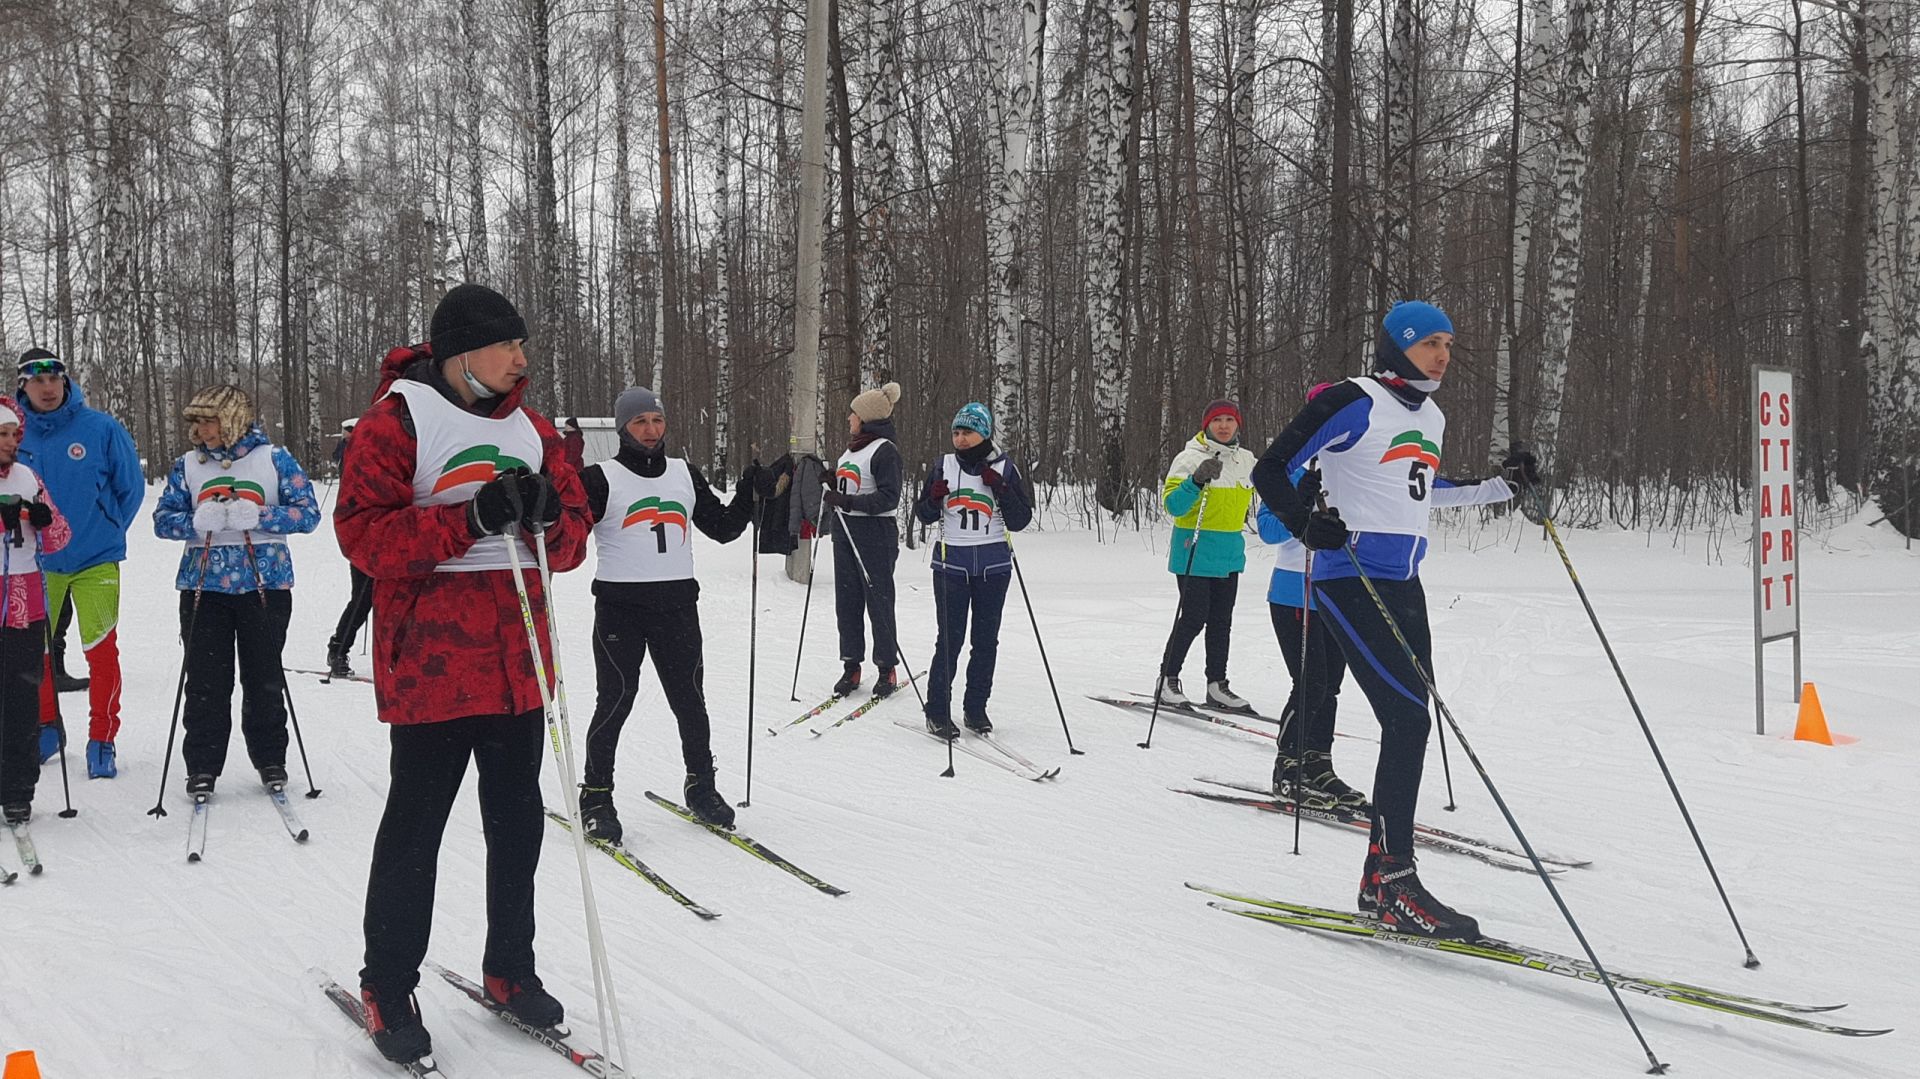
(278, 793)
(998, 760)
(197, 828)
(23, 843)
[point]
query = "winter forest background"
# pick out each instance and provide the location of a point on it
(1094, 215)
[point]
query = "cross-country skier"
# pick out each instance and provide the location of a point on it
(89, 464)
(233, 498)
(862, 494)
(30, 525)
(644, 505)
(444, 464)
(360, 594)
(976, 495)
(1378, 440)
(1209, 477)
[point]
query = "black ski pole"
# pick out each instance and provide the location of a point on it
(813, 553)
(1179, 609)
(1044, 664)
(753, 640)
(40, 570)
(1652, 744)
(286, 692)
(1655, 1066)
(1446, 769)
(942, 646)
(180, 688)
(1300, 712)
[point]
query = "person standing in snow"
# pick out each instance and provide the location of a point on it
(1209, 496)
(234, 498)
(1378, 440)
(89, 464)
(360, 593)
(643, 504)
(862, 494)
(30, 526)
(976, 495)
(446, 469)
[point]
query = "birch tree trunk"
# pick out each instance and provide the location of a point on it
(550, 326)
(1394, 268)
(1014, 53)
(723, 280)
(668, 334)
(1109, 246)
(116, 199)
(1526, 183)
(1569, 184)
(1880, 347)
(472, 108)
(622, 310)
(879, 187)
(1243, 293)
(305, 405)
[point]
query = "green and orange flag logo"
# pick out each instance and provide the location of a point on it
(652, 510)
(848, 471)
(966, 498)
(229, 488)
(477, 464)
(1412, 446)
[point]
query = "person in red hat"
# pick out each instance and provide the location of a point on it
(1208, 493)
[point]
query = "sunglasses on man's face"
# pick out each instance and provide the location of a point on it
(42, 367)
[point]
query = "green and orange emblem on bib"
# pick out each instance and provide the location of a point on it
(656, 511)
(967, 499)
(477, 464)
(226, 487)
(848, 471)
(1412, 446)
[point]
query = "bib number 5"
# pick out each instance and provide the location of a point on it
(1417, 477)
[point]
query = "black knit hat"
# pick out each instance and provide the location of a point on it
(473, 316)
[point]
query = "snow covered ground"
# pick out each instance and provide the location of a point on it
(1002, 928)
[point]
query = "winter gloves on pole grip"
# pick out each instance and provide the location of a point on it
(1325, 531)
(514, 497)
(1521, 468)
(221, 515)
(36, 513)
(1206, 472)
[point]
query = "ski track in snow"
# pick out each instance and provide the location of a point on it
(996, 927)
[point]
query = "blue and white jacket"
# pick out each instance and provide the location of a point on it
(229, 569)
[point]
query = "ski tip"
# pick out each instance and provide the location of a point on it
(38, 867)
(193, 857)
(302, 837)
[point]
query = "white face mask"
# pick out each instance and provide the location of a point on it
(479, 388)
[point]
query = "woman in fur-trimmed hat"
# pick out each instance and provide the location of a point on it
(862, 494)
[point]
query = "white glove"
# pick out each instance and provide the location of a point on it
(242, 515)
(210, 517)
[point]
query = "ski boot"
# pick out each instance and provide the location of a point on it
(395, 1025)
(17, 813)
(886, 682)
(1321, 780)
(1221, 695)
(1170, 694)
(978, 723)
(1404, 905)
(704, 800)
(337, 665)
(102, 762)
(53, 739)
(849, 680)
(525, 1000)
(274, 776)
(941, 726)
(597, 814)
(200, 785)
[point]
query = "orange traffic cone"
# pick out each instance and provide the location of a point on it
(21, 1065)
(1812, 726)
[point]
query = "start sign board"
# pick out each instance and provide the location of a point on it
(1776, 552)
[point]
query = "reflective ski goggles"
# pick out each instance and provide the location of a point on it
(42, 367)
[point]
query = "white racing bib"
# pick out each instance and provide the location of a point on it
(247, 479)
(457, 452)
(972, 516)
(853, 475)
(1383, 482)
(646, 533)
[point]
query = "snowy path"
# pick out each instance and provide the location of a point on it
(997, 927)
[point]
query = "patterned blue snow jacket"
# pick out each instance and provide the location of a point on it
(228, 568)
(87, 460)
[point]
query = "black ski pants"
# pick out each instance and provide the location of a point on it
(425, 770)
(1205, 603)
(255, 630)
(856, 598)
(359, 605)
(1383, 671)
(954, 595)
(22, 657)
(623, 634)
(1316, 679)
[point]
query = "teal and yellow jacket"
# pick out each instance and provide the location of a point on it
(1221, 549)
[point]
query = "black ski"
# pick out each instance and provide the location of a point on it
(751, 846)
(1344, 923)
(553, 1038)
(1358, 822)
(350, 1004)
(633, 865)
(1426, 829)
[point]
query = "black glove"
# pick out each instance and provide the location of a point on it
(992, 478)
(1325, 531)
(539, 502)
(39, 514)
(837, 499)
(495, 505)
(1207, 472)
(10, 515)
(1521, 468)
(1309, 488)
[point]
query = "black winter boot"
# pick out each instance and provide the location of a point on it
(394, 1022)
(705, 801)
(849, 680)
(597, 814)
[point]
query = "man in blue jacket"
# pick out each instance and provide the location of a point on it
(87, 460)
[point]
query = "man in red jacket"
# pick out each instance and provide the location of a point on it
(445, 470)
